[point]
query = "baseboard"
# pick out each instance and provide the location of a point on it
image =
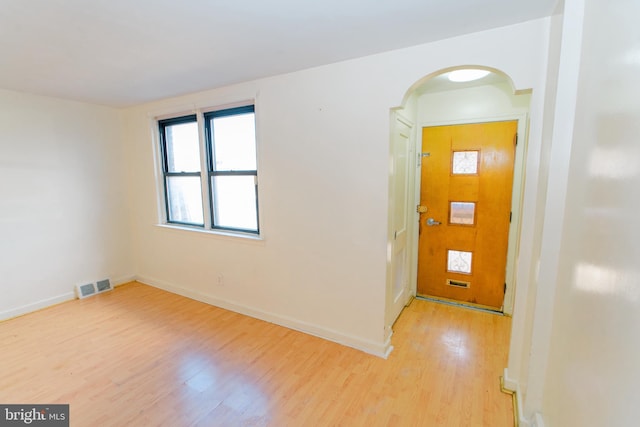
(123, 280)
(38, 305)
(387, 342)
(48, 302)
(509, 383)
(538, 421)
(380, 350)
(511, 386)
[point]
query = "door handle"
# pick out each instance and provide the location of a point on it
(431, 222)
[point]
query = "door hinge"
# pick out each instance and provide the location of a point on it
(510, 216)
(505, 288)
(515, 139)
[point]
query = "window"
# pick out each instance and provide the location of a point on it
(229, 174)
(181, 166)
(233, 171)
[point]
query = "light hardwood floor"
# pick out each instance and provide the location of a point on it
(139, 356)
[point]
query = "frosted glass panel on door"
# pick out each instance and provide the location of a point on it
(459, 261)
(465, 162)
(462, 213)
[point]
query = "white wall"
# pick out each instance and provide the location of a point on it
(323, 138)
(63, 212)
(471, 103)
(592, 372)
(533, 309)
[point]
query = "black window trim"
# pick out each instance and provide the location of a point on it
(162, 124)
(212, 172)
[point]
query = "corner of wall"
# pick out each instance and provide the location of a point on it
(58, 299)
(509, 385)
(376, 349)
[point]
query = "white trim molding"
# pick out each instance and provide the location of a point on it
(38, 305)
(48, 302)
(375, 349)
(512, 386)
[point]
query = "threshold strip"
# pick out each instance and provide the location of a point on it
(458, 304)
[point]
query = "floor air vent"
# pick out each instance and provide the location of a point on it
(88, 289)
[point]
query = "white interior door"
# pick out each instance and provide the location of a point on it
(401, 156)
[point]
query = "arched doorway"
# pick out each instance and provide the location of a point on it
(437, 101)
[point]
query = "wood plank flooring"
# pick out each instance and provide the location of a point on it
(139, 356)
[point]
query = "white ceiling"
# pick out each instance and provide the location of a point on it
(125, 52)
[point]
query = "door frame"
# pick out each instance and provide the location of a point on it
(394, 302)
(516, 198)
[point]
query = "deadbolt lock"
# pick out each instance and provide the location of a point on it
(421, 209)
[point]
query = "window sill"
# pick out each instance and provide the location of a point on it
(227, 235)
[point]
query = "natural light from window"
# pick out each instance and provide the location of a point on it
(234, 151)
(211, 177)
(184, 192)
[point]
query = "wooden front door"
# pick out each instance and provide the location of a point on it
(466, 183)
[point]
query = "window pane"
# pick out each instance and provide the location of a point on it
(462, 213)
(183, 147)
(459, 261)
(465, 162)
(184, 199)
(235, 202)
(234, 142)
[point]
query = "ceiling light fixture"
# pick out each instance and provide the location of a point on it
(467, 75)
